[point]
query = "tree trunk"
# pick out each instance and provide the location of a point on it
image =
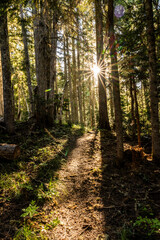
(153, 82)
(9, 151)
(79, 76)
(115, 81)
(42, 54)
(65, 74)
(103, 112)
(61, 103)
(74, 78)
(111, 98)
(147, 100)
(84, 105)
(6, 73)
(137, 113)
(111, 104)
(70, 80)
(91, 103)
(1, 90)
(133, 124)
(27, 60)
(53, 69)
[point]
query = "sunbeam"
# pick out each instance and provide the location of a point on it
(96, 70)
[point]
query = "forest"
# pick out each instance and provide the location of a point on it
(79, 119)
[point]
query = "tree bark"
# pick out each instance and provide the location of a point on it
(78, 73)
(115, 81)
(137, 113)
(103, 111)
(6, 73)
(27, 60)
(74, 80)
(53, 69)
(1, 90)
(42, 54)
(70, 80)
(153, 82)
(9, 151)
(133, 124)
(61, 102)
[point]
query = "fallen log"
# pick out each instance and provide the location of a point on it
(9, 151)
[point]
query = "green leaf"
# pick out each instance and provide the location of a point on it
(48, 90)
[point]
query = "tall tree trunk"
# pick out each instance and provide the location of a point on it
(111, 104)
(6, 73)
(91, 102)
(103, 112)
(1, 90)
(27, 60)
(111, 98)
(133, 124)
(115, 81)
(62, 101)
(70, 80)
(78, 74)
(53, 69)
(147, 100)
(153, 82)
(84, 105)
(137, 113)
(74, 79)
(41, 36)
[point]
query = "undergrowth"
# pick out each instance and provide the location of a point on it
(31, 180)
(144, 227)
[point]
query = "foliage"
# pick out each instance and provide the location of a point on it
(144, 227)
(25, 233)
(52, 224)
(30, 211)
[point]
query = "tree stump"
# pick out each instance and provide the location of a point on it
(9, 151)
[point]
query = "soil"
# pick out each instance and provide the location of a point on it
(98, 201)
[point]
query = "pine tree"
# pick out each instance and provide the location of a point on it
(115, 81)
(153, 81)
(103, 111)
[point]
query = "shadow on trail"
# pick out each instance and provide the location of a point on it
(46, 171)
(126, 192)
(109, 192)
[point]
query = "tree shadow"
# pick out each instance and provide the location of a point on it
(125, 191)
(109, 193)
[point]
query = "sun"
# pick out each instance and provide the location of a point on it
(96, 70)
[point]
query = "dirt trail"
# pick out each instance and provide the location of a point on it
(78, 209)
(96, 199)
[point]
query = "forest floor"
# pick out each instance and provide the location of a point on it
(66, 187)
